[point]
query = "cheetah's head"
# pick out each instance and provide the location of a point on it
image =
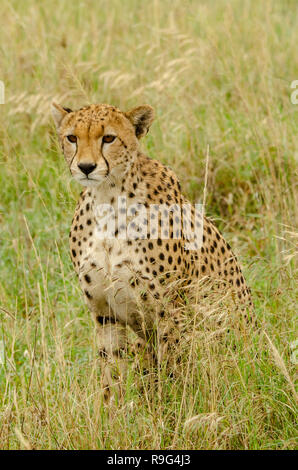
(100, 142)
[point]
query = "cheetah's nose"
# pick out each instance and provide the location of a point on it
(87, 167)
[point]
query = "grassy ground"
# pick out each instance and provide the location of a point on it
(218, 73)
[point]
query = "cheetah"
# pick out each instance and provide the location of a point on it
(127, 279)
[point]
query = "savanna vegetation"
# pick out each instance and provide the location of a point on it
(218, 74)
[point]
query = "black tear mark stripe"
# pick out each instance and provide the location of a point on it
(73, 158)
(106, 161)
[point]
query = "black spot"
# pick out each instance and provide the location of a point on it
(87, 278)
(101, 320)
(134, 282)
(74, 253)
(88, 295)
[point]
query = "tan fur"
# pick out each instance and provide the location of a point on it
(126, 282)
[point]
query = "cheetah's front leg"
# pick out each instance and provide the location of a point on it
(112, 345)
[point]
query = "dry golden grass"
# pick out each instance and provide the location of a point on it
(218, 74)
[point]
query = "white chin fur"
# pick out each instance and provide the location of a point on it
(88, 183)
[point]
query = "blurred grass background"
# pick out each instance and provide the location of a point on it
(218, 73)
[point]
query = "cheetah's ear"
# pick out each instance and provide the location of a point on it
(141, 118)
(58, 113)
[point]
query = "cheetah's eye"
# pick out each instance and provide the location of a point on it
(107, 139)
(72, 138)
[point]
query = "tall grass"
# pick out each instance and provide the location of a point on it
(218, 74)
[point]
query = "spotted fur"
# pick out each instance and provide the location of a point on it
(127, 282)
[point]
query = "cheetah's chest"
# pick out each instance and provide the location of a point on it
(109, 257)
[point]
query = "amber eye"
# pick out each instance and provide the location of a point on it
(72, 138)
(107, 139)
